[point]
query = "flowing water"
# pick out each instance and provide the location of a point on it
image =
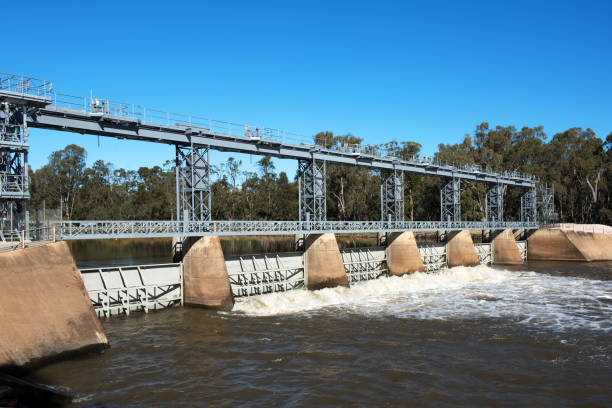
(533, 335)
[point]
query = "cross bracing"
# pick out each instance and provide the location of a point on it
(147, 229)
(27, 102)
(392, 196)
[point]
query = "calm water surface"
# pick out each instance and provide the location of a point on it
(534, 335)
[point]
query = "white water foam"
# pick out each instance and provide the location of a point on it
(529, 298)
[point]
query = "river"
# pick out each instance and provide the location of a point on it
(538, 334)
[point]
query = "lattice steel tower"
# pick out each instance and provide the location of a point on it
(392, 196)
(193, 183)
(312, 190)
(18, 96)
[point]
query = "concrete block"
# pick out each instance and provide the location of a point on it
(564, 245)
(323, 262)
(505, 250)
(403, 254)
(206, 282)
(45, 311)
(460, 250)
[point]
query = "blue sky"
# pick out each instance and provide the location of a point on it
(427, 71)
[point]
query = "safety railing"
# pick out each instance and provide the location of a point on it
(134, 229)
(13, 183)
(26, 85)
(144, 115)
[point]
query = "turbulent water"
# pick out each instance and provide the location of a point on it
(536, 335)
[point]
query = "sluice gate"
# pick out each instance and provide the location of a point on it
(118, 290)
(123, 289)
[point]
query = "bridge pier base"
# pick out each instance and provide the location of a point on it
(206, 282)
(45, 311)
(403, 254)
(323, 264)
(460, 249)
(505, 250)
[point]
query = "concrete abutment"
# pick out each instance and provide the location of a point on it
(45, 310)
(548, 244)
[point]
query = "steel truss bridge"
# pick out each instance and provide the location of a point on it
(33, 103)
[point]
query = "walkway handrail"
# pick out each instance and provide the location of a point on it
(141, 229)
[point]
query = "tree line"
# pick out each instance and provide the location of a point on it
(576, 162)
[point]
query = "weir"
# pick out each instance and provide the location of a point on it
(123, 289)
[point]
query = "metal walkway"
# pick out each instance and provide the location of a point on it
(33, 103)
(69, 230)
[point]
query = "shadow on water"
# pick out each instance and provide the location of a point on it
(19, 387)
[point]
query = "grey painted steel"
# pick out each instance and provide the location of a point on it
(433, 256)
(529, 210)
(363, 264)
(193, 183)
(546, 203)
(450, 199)
(495, 202)
(253, 275)
(145, 229)
(123, 289)
(392, 196)
(124, 127)
(485, 253)
(312, 187)
(522, 246)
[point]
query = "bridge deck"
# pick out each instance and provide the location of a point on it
(69, 230)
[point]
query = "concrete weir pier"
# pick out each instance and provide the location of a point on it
(460, 250)
(403, 254)
(570, 243)
(45, 310)
(323, 262)
(205, 274)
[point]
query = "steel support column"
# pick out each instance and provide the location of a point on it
(392, 196)
(546, 203)
(14, 181)
(193, 183)
(450, 200)
(312, 190)
(495, 202)
(528, 205)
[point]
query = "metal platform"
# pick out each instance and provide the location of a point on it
(68, 230)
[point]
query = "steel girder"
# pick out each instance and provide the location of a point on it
(495, 202)
(392, 196)
(312, 190)
(450, 200)
(193, 183)
(529, 211)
